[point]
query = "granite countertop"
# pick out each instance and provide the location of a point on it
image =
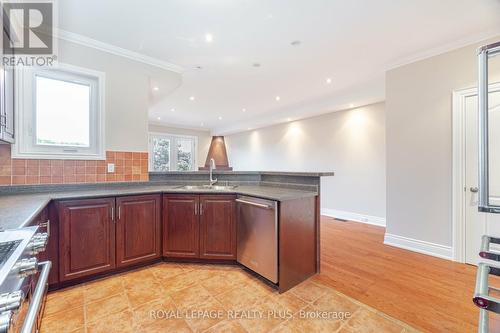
(17, 210)
(230, 172)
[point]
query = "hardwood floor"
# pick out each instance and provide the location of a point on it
(428, 293)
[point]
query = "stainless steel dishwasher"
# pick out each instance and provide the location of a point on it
(258, 236)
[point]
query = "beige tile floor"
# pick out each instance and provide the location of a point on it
(170, 297)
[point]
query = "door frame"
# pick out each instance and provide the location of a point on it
(459, 189)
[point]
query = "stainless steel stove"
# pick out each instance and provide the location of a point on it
(23, 280)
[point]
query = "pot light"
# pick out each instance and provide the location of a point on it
(278, 98)
(220, 118)
(328, 80)
(172, 110)
(156, 88)
(191, 98)
(288, 119)
(244, 110)
(351, 105)
(159, 118)
(202, 124)
(209, 38)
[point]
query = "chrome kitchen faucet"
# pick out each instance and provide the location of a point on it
(212, 167)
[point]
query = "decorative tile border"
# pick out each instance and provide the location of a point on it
(129, 166)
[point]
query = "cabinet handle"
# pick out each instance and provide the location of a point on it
(46, 225)
(113, 214)
(195, 209)
(201, 208)
(119, 212)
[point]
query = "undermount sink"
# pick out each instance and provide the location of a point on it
(207, 187)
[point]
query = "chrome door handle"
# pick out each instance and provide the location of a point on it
(474, 189)
(37, 298)
(46, 225)
(253, 203)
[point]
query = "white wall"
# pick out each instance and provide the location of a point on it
(351, 143)
(204, 139)
(419, 144)
(127, 93)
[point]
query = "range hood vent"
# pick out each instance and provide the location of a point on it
(218, 152)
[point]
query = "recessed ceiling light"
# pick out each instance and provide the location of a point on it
(202, 124)
(220, 118)
(159, 118)
(278, 98)
(191, 98)
(209, 38)
(288, 119)
(172, 110)
(328, 80)
(244, 110)
(296, 43)
(156, 88)
(351, 105)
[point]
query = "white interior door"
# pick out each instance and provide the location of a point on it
(478, 224)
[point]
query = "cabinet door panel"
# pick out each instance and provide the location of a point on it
(86, 238)
(138, 236)
(217, 227)
(180, 226)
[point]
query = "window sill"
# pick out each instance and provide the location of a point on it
(52, 156)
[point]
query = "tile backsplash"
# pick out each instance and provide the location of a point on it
(129, 166)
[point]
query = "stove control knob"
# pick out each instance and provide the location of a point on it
(38, 243)
(10, 301)
(5, 321)
(41, 235)
(26, 267)
(36, 246)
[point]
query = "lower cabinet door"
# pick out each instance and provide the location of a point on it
(217, 227)
(86, 237)
(138, 229)
(180, 226)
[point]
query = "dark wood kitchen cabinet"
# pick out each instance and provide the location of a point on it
(217, 227)
(86, 237)
(199, 226)
(138, 229)
(181, 226)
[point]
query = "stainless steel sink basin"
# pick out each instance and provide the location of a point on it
(207, 187)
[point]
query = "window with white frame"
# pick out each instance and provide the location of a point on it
(169, 152)
(60, 113)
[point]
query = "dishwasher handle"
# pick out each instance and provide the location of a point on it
(254, 204)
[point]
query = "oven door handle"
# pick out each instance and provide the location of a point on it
(37, 299)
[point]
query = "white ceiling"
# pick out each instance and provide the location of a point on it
(353, 42)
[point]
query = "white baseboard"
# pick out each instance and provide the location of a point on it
(375, 220)
(432, 249)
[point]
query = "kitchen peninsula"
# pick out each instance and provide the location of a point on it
(101, 229)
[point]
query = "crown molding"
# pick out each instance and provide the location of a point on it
(455, 45)
(118, 51)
